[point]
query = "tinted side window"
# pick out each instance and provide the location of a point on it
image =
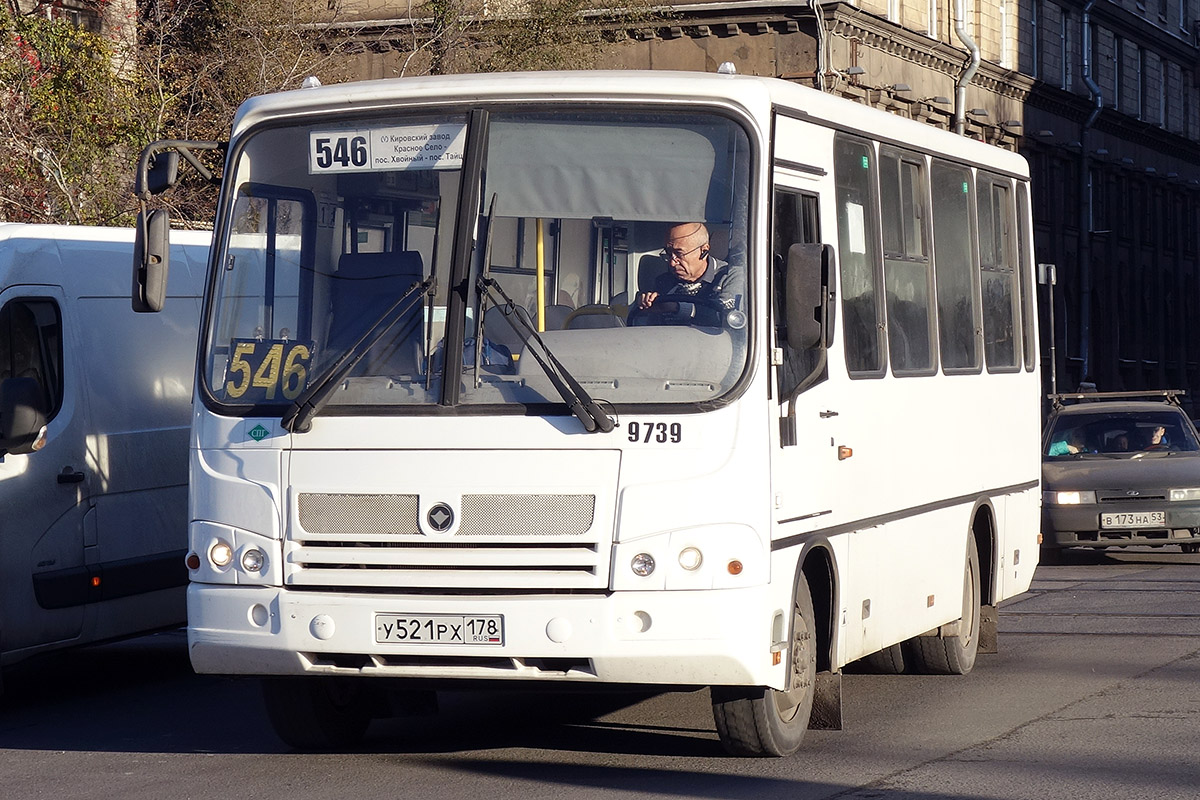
(998, 273)
(958, 314)
(1025, 267)
(907, 271)
(31, 347)
(858, 235)
(796, 221)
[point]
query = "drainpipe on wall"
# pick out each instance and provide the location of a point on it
(822, 43)
(960, 85)
(1085, 199)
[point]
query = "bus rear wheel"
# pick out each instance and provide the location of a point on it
(317, 713)
(760, 721)
(952, 655)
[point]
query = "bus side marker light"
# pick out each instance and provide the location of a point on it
(642, 564)
(776, 657)
(844, 452)
(735, 567)
(220, 554)
(193, 562)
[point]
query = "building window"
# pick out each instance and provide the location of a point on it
(1068, 48)
(1005, 35)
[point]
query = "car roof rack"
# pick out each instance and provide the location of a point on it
(1168, 395)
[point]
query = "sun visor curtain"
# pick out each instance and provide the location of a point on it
(628, 170)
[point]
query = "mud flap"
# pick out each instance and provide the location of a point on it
(827, 703)
(989, 620)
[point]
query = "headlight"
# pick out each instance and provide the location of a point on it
(220, 554)
(1069, 498)
(1177, 495)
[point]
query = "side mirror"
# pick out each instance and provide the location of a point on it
(151, 260)
(22, 415)
(162, 171)
(808, 313)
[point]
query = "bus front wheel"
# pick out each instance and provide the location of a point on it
(760, 721)
(953, 655)
(317, 713)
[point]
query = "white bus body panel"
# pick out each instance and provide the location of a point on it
(926, 448)
(119, 512)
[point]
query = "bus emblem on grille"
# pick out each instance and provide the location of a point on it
(440, 517)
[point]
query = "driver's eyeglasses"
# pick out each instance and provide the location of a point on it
(669, 254)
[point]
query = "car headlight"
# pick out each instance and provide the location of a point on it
(1075, 498)
(1177, 495)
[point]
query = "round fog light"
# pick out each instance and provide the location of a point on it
(253, 560)
(221, 554)
(690, 558)
(642, 564)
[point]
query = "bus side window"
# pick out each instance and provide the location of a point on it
(908, 277)
(998, 274)
(958, 309)
(796, 221)
(858, 248)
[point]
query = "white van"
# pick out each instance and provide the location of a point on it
(95, 404)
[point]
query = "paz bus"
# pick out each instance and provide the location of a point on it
(439, 442)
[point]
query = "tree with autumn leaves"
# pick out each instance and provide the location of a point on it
(79, 101)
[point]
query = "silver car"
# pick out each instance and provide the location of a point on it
(1119, 471)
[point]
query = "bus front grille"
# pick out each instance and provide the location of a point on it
(377, 542)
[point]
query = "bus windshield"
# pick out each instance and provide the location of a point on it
(615, 240)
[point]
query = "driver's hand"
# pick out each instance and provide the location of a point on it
(646, 299)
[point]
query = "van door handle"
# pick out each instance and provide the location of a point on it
(70, 476)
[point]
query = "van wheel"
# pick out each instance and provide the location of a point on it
(317, 713)
(760, 721)
(955, 655)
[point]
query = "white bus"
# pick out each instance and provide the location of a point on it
(438, 441)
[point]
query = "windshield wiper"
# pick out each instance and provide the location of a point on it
(576, 397)
(298, 417)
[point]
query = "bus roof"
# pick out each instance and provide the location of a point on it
(754, 95)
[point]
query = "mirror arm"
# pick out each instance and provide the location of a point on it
(184, 148)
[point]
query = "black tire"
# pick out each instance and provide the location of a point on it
(888, 661)
(760, 721)
(317, 713)
(933, 655)
(1051, 556)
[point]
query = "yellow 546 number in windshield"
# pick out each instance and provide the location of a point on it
(261, 371)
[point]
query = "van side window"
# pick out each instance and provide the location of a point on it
(31, 347)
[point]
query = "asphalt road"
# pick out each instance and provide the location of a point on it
(1095, 693)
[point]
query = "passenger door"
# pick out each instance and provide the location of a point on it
(803, 473)
(45, 495)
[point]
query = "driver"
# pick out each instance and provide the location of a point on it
(696, 280)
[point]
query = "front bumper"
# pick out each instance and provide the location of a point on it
(700, 638)
(1079, 526)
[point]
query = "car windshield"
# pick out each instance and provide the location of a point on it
(330, 224)
(1122, 433)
